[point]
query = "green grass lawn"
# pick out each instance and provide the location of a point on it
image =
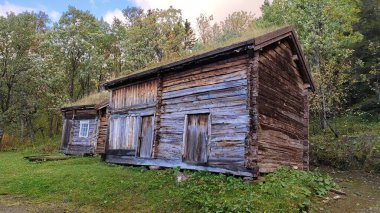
(85, 184)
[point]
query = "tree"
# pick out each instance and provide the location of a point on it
(367, 55)
(117, 50)
(77, 38)
(190, 37)
(325, 28)
(237, 22)
(153, 36)
(205, 29)
(21, 77)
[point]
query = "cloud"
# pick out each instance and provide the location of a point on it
(7, 7)
(110, 15)
(192, 9)
(54, 15)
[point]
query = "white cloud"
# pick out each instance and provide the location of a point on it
(7, 7)
(54, 15)
(110, 15)
(192, 9)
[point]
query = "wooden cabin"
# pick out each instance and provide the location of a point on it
(241, 109)
(85, 126)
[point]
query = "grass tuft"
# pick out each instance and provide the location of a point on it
(92, 99)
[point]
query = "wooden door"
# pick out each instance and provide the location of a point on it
(146, 138)
(66, 133)
(196, 138)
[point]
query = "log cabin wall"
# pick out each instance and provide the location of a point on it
(218, 89)
(283, 119)
(134, 95)
(129, 105)
(102, 131)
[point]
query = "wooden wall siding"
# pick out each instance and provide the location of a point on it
(91, 139)
(124, 132)
(281, 103)
(79, 150)
(306, 130)
(219, 89)
(136, 94)
(102, 132)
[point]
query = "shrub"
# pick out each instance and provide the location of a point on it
(285, 190)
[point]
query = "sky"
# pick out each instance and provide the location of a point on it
(108, 9)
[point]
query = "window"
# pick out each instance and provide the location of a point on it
(84, 128)
(196, 136)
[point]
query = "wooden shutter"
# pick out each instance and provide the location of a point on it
(124, 132)
(196, 138)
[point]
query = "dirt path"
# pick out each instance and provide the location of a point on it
(363, 193)
(12, 204)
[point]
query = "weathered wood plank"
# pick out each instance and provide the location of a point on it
(176, 163)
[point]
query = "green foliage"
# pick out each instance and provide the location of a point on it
(41, 144)
(284, 190)
(366, 75)
(325, 29)
(86, 184)
(356, 148)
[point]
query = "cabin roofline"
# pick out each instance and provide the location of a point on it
(85, 107)
(78, 107)
(241, 47)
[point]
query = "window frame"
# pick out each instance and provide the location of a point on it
(84, 122)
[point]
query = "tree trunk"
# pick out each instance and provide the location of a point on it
(71, 89)
(323, 116)
(22, 130)
(1, 135)
(31, 130)
(51, 121)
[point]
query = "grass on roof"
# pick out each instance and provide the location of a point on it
(250, 33)
(92, 99)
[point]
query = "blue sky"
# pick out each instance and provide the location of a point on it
(108, 9)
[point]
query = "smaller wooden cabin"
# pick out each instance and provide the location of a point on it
(85, 126)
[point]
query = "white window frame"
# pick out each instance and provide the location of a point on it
(84, 122)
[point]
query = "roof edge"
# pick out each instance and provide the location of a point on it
(79, 107)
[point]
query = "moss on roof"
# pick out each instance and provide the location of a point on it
(251, 33)
(92, 99)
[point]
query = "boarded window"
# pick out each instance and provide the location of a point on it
(124, 132)
(146, 137)
(84, 127)
(196, 138)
